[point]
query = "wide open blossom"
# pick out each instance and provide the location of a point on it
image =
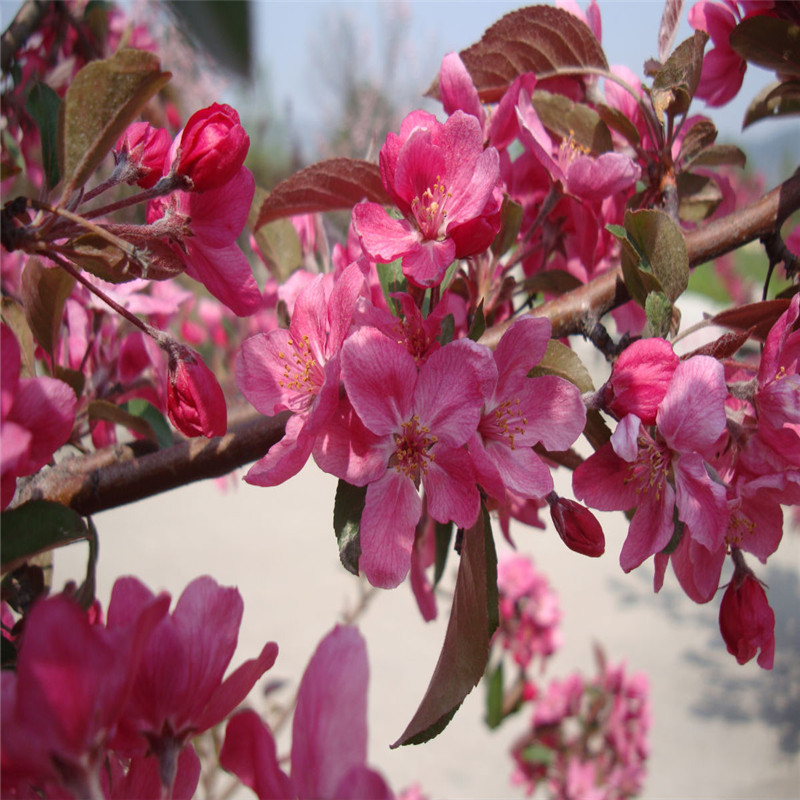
(444, 183)
(36, 417)
(521, 412)
(298, 370)
(398, 428)
(179, 689)
(329, 732)
(656, 473)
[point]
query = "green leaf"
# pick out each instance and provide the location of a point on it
(574, 121)
(392, 280)
(478, 324)
(676, 82)
(718, 155)
(538, 754)
(444, 535)
(615, 119)
(562, 361)
(44, 292)
(141, 409)
(494, 697)
(770, 42)
(510, 224)
(36, 527)
(43, 105)
(698, 196)
(119, 415)
(104, 98)
(448, 330)
(660, 240)
(775, 100)
(347, 509)
(465, 651)
(658, 310)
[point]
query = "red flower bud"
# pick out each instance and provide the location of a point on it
(195, 402)
(746, 620)
(212, 148)
(578, 527)
(143, 149)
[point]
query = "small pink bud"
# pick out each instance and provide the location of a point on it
(195, 402)
(746, 620)
(143, 149)
(212, 148)
(577, 526)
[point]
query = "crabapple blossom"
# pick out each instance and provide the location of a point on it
(140, 153)
(577, 526)
(195, 401)
(444, 184)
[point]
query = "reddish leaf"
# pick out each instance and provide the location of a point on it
(775, 100)
(724, 347)
(770, 42)
(331, 185)
(676, 82)
(465, 652)
(540, 39)
(44, 291)
(759, 317)
(670, 19)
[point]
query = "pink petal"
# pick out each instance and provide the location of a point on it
(211, 227)
(651, 528)
(554, 411)
(329, 732)
(457, 89)
(391, 513)
(426, 262)
(249, 752)
(383, 238)
(521, 469)
(451, 489)
(284, 459)
(600, 482)
(362, 783)
(521, 347)
(702, 504)
(698, 570)
(341, 305)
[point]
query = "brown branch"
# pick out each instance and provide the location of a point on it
(115, 476)
(21, 27)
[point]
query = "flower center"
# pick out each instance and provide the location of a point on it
(412, 452)
(505, 422)
(430, 210)
(301, 372)
(649, 471)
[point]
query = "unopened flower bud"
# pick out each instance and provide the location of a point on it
(195, 402)
(212, 147)
(746, 620)
(577, 526)
(140, 153)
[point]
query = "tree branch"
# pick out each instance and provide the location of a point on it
(21, 27)
(115, 476)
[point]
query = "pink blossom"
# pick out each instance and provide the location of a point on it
(36, 417)
(202, 228)
(397, 429)
(195, 401)
(746, 621)
(140, 153)
(520, 412)
(179, 689)
(443, 182)
(329, 732)
(212, 147)
(577, 526)
(636, 470)
(298, 370)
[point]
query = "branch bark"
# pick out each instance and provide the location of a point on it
(22, 26)
(115, 476)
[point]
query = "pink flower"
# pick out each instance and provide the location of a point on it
(397, 429)
(140, 153)
(212, 147)
(298, 370)
(636, 470)
(195, 402)
(329, 732)
(443, 182)
(62, 706)
(577, 527)
(202, 229)
(179, 689)
(520, 412)
(746, 621)
(36, 417)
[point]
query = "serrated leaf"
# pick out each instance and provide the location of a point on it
(36, 527)
(331, 185)
(700, 136)
(465, 651)
(573, 120)
(104, 98)
(43, 104)
(725, 346)
(137, 407)
(347, 510)
(758, 317)
(698, 196)
(562, 361)
(770, 42)
(44, 292)
(494, 697)
(676, 82)
(775, 100)
(541, 39)
(659, 238)
(670, 20)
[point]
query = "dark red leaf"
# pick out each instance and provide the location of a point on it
(724, 347)
(331, 185)
(759, 317)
